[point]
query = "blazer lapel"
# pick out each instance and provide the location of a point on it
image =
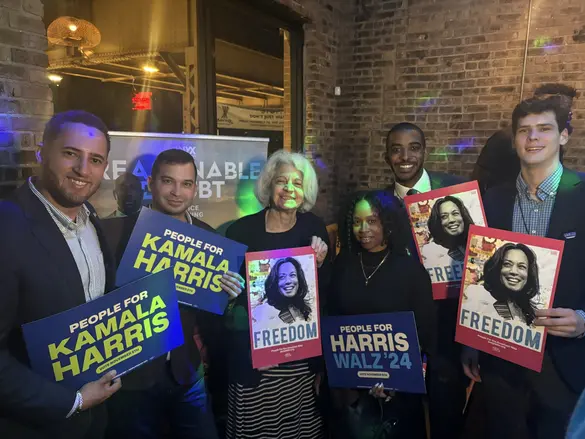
(566, 199)
(436, 181)
(50, 237)
(499, 207)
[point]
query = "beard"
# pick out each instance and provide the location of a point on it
(64, 197)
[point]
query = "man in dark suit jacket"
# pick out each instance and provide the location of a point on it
(169, 393)
(405, 154)
(52, 258)
(547, 200)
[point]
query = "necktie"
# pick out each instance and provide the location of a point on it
(412, 192)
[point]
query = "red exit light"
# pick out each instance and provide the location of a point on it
(142, 101)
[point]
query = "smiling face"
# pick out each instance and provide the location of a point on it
(405, 153)
(173, 188)
(287, 188)
(514, 274)
(288, 282)
(538, 140)
(73, 165)
(367, 227)
(451, 218)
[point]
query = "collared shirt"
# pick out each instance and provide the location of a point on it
(116, 214)
(84, 244)
(531, 216)
(422, 185)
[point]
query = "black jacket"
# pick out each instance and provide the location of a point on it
(568, 216)
(38, 278)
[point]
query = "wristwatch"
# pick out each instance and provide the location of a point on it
(581, 314)
(79, 398)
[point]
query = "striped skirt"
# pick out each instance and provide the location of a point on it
(282, 406)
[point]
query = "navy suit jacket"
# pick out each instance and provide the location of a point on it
(568, 216)
(38, 278)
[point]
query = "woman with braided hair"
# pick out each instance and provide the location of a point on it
(374, 273)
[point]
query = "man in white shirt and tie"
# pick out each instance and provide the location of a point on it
(405, 154)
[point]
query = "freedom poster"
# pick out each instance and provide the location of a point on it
(362, 351)
(198, 258)
(283, 306)
(119, 331)
(440, 221)
(508, 276)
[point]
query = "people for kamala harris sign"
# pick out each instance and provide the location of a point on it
(197, 257)
(119, 331)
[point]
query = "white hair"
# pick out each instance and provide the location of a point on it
(264, 184)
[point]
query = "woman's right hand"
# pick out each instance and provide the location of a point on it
(470, 362)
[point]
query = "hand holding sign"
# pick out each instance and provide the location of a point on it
(96, 392)
(560, 322)
(320, 248)
(232, 283)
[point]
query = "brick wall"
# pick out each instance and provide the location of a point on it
(324, 37)
(287, 140)
(25, 97)
(454, 67)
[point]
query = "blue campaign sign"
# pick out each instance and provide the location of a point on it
(198, 258)
(361, 351)
(119, 331)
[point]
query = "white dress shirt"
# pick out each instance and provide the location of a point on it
(422, 185)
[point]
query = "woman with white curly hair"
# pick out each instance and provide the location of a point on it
(277, 402)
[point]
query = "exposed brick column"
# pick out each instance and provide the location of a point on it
(287, 97)
(25, 97)
(325, 35)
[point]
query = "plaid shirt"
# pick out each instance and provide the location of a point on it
(84, 244)
(532, 217)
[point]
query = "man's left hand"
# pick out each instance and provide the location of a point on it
(561, 322)
(232, 283)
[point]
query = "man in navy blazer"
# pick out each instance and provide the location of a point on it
(53, 257)
(405, 154)
(546, 200)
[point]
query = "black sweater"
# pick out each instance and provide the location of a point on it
(400, 284)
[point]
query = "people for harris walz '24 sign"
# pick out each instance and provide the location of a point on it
(508, 276)
(439, 221)
(197, 257)
(119, 331)
(283, 306)
(362, 351)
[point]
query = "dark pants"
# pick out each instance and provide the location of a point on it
(89, 424)
(446, 394)
(522, 404)
(446, 381)
(165, 410)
